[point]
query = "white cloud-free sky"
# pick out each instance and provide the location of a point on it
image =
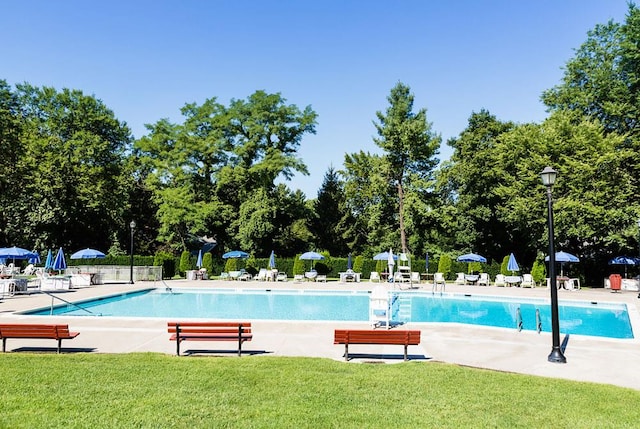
(146, 59)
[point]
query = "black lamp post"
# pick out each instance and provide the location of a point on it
(639, 244)
(548, 176)
(132, 225)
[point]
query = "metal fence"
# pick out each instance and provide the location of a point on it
(119, 273)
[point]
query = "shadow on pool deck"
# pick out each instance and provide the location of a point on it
(594, 359)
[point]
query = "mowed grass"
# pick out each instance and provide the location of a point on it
(151, 390)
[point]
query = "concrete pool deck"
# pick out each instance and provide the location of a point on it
(594, 359)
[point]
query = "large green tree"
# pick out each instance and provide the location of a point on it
(410, 148)
(329, 222)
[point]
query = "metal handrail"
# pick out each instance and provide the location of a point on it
(538, 321)
(519, 323)
(67, 302)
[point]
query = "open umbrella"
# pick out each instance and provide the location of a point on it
(235, 254)
(349, 265)
(624, 260)
(426, 263)
(311, 256)
(563, 257)
(384, 256)
(16, 253)
(512, 265)
(471, 257)
(199, 261)
(272, 260)
(88, 254)
(59, 263)
(48, 263)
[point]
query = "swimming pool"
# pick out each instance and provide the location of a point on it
(576, 317)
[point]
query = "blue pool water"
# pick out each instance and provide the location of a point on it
(576, 317)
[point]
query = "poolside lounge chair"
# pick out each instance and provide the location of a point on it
(499, 281)
(484, 279)
(415, 277)
(298, 277)
(460, 279)
(245, 276)
(224, 276)
(527, 281)
(321, 278)
(311, 275)
(262, 275)
(281, 277)
(374, 276)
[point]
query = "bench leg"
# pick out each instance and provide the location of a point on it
(346, 352)
(4, 345)
(406, 346)
(59, 344)
(178, 346)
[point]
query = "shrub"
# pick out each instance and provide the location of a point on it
(186, 263)
(168, 263)
(444, 266)
(231, 265)
(207, 262)
(538, 271)
(358, 263)
(298, 266)
(503, 266)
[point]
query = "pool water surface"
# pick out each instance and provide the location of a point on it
(576, 317)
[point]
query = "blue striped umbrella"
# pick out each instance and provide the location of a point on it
(48, 263)
(272, 260)
(512, 265)
(349, 266)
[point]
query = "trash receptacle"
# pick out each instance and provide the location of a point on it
(615, 282)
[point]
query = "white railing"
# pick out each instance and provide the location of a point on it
(119, 273)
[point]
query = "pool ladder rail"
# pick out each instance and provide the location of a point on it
(68, 303)
(520, 323)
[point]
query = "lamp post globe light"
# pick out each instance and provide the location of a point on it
(132, 226)
(548, 176)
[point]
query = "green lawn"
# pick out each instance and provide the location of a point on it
(155, 391)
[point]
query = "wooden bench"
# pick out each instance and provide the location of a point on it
(370, 336)
(54, 332)
(210, 331)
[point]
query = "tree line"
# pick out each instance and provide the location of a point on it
(72, 174)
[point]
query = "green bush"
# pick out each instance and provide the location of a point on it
(207, 262)
(168, 263)
(358, 263)
(186, 263)
(444, 266)
(231, 265)
(503, 266)
(538, 271)
(298, 266)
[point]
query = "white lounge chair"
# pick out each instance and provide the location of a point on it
(374, 276)
(262, 275)
(484, 279)
(415, 277)
(281, 277)
(298, 277)
(460, 279)
(311, 275)
(438, 279)
(527, 281)
(499, 281)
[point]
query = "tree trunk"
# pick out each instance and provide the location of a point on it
(403, 236)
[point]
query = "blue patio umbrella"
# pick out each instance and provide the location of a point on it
(563, 257)
(311, 256)
(426, 262)
(384, 256)
(512, 265)
(199, 261)
(59, 263)
(272, 260)
(471, 257)
(16, 253)
(48, 263)
(625, 260)
(88, 254)
(235, 254)
(349, 265)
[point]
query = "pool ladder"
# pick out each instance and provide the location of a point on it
(520, 324)
(68, 303)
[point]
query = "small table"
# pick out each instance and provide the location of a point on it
(512, 280)
(471, 278)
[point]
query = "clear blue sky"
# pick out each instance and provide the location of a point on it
(146, 59)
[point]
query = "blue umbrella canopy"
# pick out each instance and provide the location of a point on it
(59, 263)
(512, 265)
(16, 253)
(349, 264)
(311, 256)
(471, 257)
(88, 254)
(625, 260)
(272, 260)
(235, 254)
(384, 256)
(199, 261)
(564, 257)
(48, 263)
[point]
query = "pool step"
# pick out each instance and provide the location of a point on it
(404, 309)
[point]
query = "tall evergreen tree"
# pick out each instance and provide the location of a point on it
(329, 213)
